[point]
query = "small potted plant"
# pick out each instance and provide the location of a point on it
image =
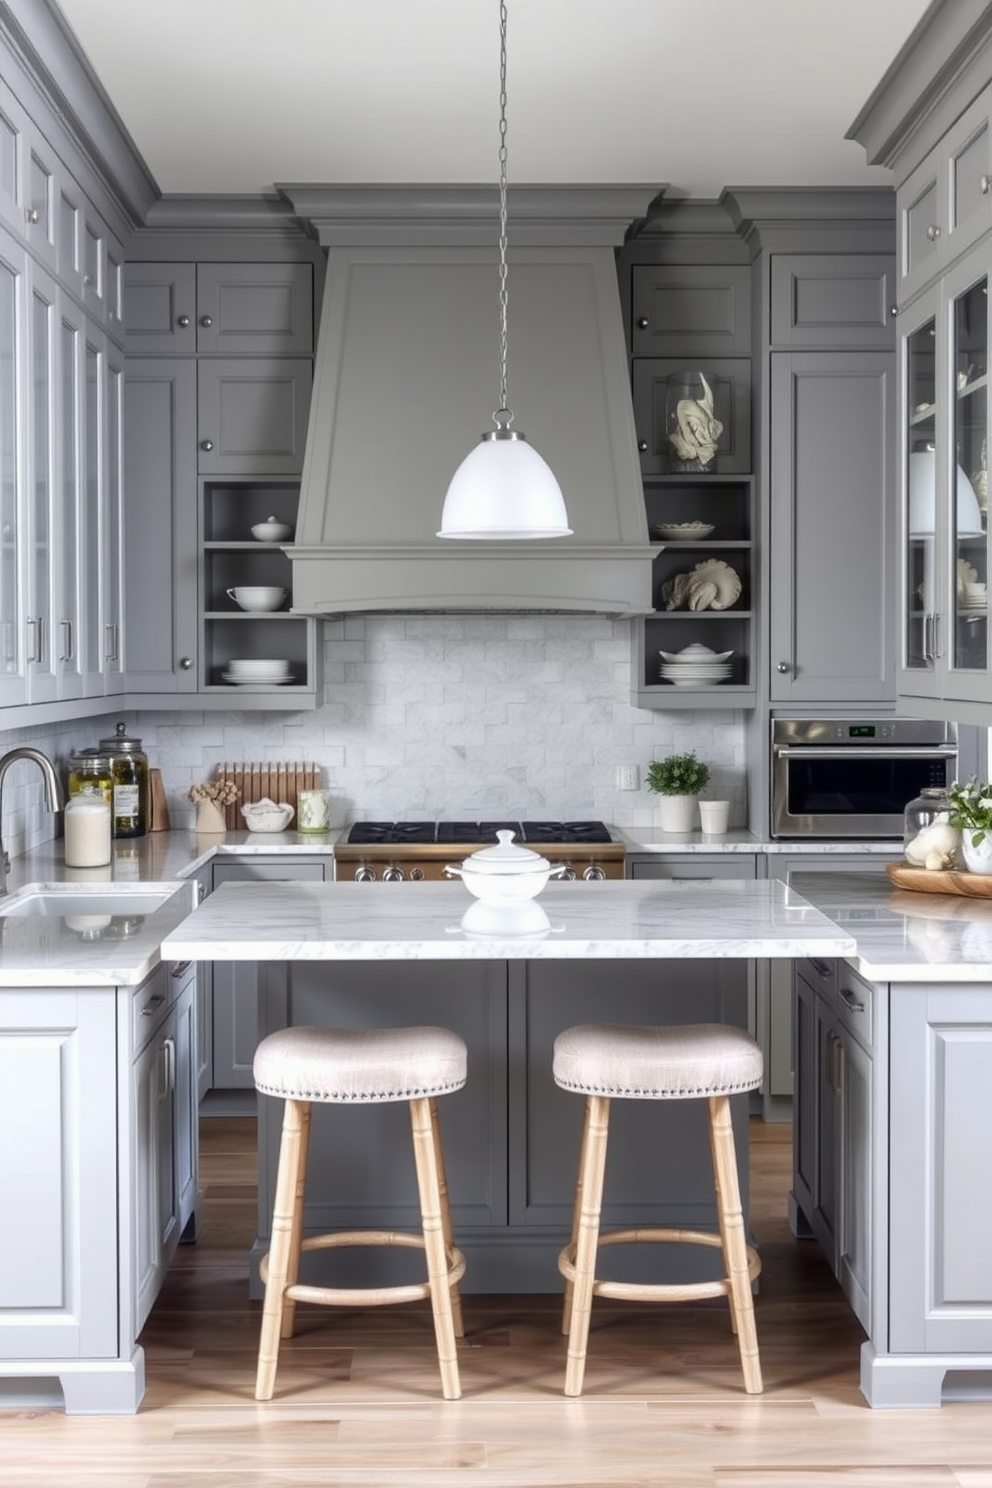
(972, 813)
(677, 780)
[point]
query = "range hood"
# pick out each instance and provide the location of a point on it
(406, 378)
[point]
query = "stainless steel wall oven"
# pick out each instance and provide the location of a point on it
(846, 778)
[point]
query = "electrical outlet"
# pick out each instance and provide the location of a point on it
(628, 777)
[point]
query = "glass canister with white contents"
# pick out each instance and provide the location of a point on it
(929, 840)
(130, 768)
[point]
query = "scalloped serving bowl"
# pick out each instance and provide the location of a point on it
(681, 531)
(695, 655)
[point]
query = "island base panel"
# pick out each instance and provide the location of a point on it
(84, 1387)
(922, 1381)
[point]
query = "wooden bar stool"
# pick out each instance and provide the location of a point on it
(360, 1067)
(695, 1062)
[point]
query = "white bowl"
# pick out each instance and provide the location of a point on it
(250, 667)
(267, 816)
(487, 919)
(258, 596)
(681, 531)
(272, 531)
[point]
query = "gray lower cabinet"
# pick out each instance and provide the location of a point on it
(833, 1124)
(164, 1099)
(832, 500)
(98, 1161)
(234, 996)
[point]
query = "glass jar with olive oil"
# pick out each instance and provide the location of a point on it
(130, 787)
(91, 769)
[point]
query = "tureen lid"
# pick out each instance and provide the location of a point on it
(506, 857)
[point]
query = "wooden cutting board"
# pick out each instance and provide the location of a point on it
(929, 881)
(281, 781)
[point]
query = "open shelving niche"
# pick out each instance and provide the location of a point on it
(231, 557)
(727, 501)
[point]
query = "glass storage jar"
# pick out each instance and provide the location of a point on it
(91, 770)
(130, 767)
(87, 829)
(927, 833)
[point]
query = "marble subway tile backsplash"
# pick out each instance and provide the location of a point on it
(477, 715)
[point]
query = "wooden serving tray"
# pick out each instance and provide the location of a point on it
(930, 881)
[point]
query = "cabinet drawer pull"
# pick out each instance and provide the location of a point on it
(985, 184)
(821, 968)
(180, 968)
(850, 999)
(933, 232)
(112, 633)
(152, 1004)
(68, 647)
(36, 647)
(182, 321)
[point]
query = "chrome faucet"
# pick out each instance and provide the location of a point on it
(54, 799)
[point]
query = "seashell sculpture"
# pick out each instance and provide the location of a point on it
(712, 585)
(696, 429)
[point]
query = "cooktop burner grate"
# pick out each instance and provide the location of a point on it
(459, 832)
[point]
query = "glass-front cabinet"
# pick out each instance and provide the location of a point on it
(945, 652)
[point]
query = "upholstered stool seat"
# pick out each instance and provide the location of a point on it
(360, 1067)
(700, 1061)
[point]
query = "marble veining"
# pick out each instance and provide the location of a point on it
(394, 922)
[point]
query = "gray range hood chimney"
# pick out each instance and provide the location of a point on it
(406, 378)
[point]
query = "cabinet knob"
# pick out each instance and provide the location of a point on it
(985, 184)
(182, 320)
(33, 215)
(933, 232)
(642, 322)
(206, 444)
(186, 663)
(206, 320)
(783, 666)
(893, 309)
(642, 445)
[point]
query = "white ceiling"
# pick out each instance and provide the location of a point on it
(236, 95)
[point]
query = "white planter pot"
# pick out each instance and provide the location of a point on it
(977, 859)
(677, 813)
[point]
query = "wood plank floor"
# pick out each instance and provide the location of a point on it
(357, 1399)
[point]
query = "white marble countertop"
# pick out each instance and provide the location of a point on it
(346, 922)
(904, 936)
(43, 951)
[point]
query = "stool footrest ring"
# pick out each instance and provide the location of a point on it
(657, 1291)
(367, 1296)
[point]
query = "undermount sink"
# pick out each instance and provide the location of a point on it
(56, 901)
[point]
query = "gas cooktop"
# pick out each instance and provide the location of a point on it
(410, 833)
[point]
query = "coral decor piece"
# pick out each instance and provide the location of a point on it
(712, 585)
(210, 798)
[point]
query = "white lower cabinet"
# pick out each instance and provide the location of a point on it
(98, 1163)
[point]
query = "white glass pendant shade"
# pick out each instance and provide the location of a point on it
(504, 490)
(923, 497)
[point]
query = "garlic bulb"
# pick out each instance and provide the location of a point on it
(938, 838)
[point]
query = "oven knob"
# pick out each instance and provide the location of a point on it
(392, 874)
(417, 874)
(593, 873)
(365, 875)
(569, 873)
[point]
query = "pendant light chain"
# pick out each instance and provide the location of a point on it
(503, 417)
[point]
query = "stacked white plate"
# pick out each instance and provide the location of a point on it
(249, 672)
(695, 666)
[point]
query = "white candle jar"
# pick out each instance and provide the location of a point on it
(313, 811)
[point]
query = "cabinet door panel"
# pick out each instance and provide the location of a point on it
(157, 297)
(832, 300)
(832, 527)
(14, 442)
(691, 310)
(254, 310)
(160, 530)
(253, 416)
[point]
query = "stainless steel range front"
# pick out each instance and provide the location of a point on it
(416, 851)
(852, 777)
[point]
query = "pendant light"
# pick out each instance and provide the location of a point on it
(503, 489)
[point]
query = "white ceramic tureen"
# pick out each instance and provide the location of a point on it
(505, 874)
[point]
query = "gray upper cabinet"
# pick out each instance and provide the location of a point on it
(160, 574)
(945, 204)
(690, 310)
(254, 310)
(832, 531)
(252, 415)
(821, 300)
(219, 309)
